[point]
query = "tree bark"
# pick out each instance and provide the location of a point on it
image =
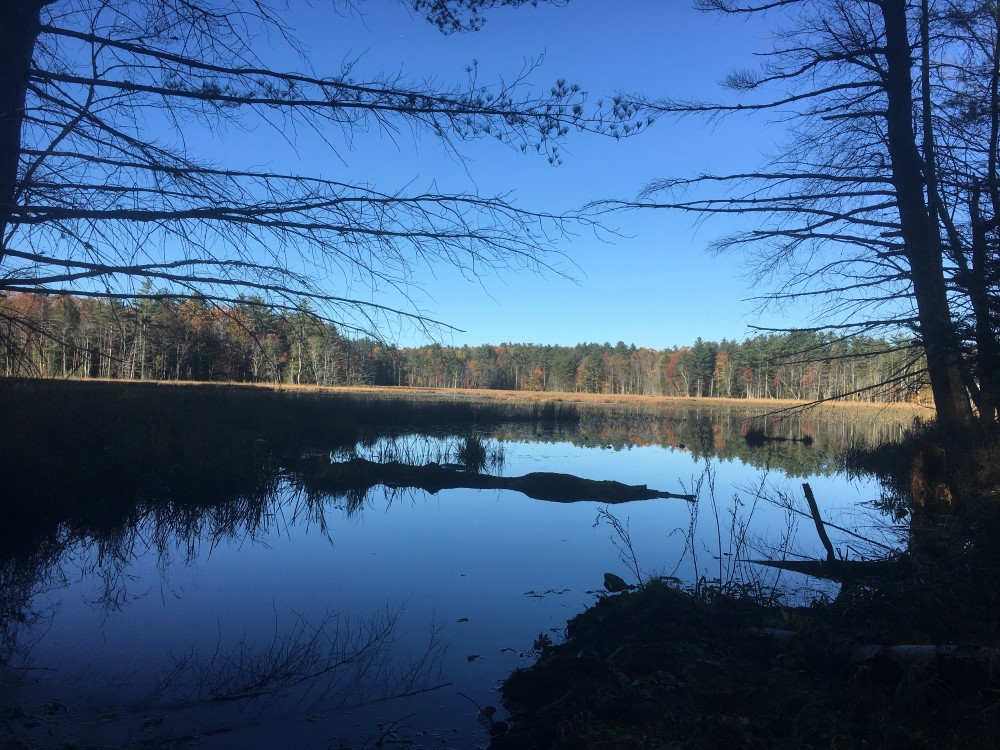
(987, 343)
(923, 247)
(987, 346)
(19, 28)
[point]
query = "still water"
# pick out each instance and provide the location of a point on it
(351, 621)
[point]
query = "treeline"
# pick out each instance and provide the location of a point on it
(58, 336)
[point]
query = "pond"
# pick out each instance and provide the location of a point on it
(290, 615)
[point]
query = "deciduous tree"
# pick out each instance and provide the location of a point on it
(103, 185)
(883, 207)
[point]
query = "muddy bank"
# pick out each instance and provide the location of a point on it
(660, 668)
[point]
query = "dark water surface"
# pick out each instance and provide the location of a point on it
(291, 618)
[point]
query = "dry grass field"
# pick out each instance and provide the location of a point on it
(761, 406)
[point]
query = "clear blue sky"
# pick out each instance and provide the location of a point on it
(656, 285)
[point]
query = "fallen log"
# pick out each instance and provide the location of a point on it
(921, 654)
(359, 474)
(833, 570)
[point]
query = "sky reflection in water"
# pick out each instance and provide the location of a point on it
(490, 570)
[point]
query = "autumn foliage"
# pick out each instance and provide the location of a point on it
(193, 340)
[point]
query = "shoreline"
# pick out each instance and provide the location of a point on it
(775, 406)
(662, 667)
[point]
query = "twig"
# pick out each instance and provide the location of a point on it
(855, 534)
(417, 691)
(811, 499)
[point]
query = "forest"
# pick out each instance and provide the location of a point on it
(164, 339)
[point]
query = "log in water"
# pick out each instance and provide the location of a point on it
(361, 474)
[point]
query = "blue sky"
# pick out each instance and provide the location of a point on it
(655, 284)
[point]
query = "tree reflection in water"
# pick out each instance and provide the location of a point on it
(175, 489)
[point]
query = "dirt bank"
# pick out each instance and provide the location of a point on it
(660, 668)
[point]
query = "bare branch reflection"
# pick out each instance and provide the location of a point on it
(334, 661)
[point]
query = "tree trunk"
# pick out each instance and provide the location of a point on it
(919, 229)
(987, 346)
(987, 343)
(19, 28)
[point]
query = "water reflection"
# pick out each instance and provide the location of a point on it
(276, 588)
(814, 439)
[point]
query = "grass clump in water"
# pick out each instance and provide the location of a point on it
(479, 455)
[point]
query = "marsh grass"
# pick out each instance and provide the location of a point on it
(732, 575)
(120, 466)
(720, 564)
(415, 450)
(90, 448)
(622, 540)
(472, 453)
(114, 443)
(732, 662)
(479, 455)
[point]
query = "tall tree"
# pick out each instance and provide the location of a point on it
(869, 211)
(102, 186)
